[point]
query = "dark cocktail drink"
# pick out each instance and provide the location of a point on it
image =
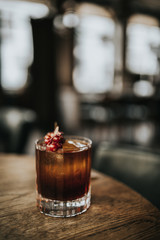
(63, 177)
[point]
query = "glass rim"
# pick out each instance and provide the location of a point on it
(87, 140)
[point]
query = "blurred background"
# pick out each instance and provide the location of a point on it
(92, 66)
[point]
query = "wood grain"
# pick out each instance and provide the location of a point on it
(116, 212)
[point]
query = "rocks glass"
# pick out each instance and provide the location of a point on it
(63, 177)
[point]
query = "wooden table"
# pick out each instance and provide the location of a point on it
(116, 212)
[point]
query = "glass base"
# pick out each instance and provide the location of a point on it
(56, 208)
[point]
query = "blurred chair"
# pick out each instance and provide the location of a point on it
(15, 127)
(138, 168)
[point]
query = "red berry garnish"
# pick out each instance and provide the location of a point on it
(54, 140)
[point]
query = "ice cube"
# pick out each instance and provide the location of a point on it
(73, 145)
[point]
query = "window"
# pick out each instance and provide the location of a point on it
(94, 54)
(16, 42)
(143, 35)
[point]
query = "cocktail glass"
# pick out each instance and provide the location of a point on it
(63, 177)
